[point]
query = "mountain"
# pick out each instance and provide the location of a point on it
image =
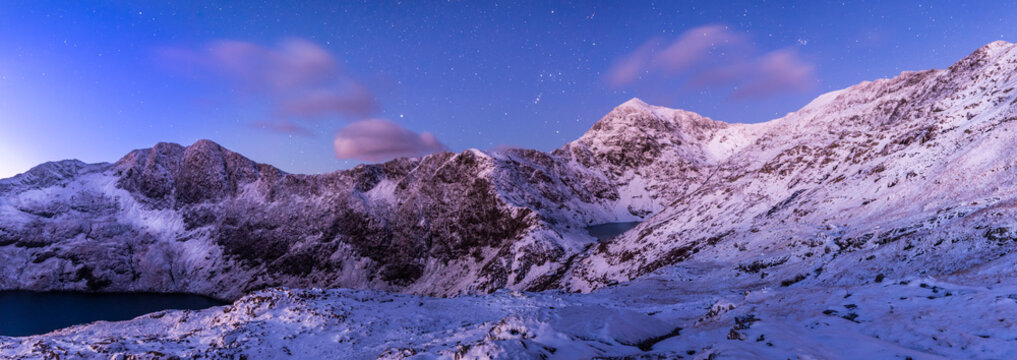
(203, 219)
(885, 177)
(206, 220)
(866, 221)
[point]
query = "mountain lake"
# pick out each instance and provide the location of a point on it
(24, 313)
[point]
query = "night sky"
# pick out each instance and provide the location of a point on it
(313, 88)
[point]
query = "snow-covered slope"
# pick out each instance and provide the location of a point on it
(914, 174)
(653, 154)
(751, 232)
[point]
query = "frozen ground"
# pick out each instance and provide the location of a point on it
(650, 318)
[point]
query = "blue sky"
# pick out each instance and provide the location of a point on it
(284, 82)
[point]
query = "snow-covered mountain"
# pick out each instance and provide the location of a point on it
(206, 220)
(872, 190)
(892, 177)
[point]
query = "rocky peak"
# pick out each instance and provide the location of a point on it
(636, 134)
(170, 173)
(49, 174)
(994, 49)
(636, 116)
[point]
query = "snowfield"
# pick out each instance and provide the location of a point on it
(654, 317)
(879, 221)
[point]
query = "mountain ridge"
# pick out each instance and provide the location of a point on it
(353, 228)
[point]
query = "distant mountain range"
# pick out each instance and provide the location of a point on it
(898, 179)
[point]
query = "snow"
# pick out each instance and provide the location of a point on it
(733, 139)
(164, 222)
(921, 318)
(384, 191)
(845, 159)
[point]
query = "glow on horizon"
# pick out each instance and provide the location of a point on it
(11, 163)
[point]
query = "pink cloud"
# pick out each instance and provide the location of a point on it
(719, 76)
(379, 139)
(356, 100)
(690, 49)
(627, 69)
(780, 71)
(298, 77)
(712, 56)
(695, 46)
(283, 127)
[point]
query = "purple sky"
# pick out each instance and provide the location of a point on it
(314, 87)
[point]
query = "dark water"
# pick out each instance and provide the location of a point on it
(29, 313)
(607, 231)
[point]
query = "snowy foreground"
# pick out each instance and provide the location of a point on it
(650, 318)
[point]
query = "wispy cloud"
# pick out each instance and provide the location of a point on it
(300, 81)
(299, 78)
(628, 69)
(283, 127)
(712, 56)
(779, 71)
(379, 139)
(696, 46)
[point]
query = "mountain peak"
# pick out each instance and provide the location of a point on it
(998, 44)
(995, 49)
(635, 103)
(636, 137)
(202, 171)
(989, 54)
(50, 173)
(206, 144)
(637, 117)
